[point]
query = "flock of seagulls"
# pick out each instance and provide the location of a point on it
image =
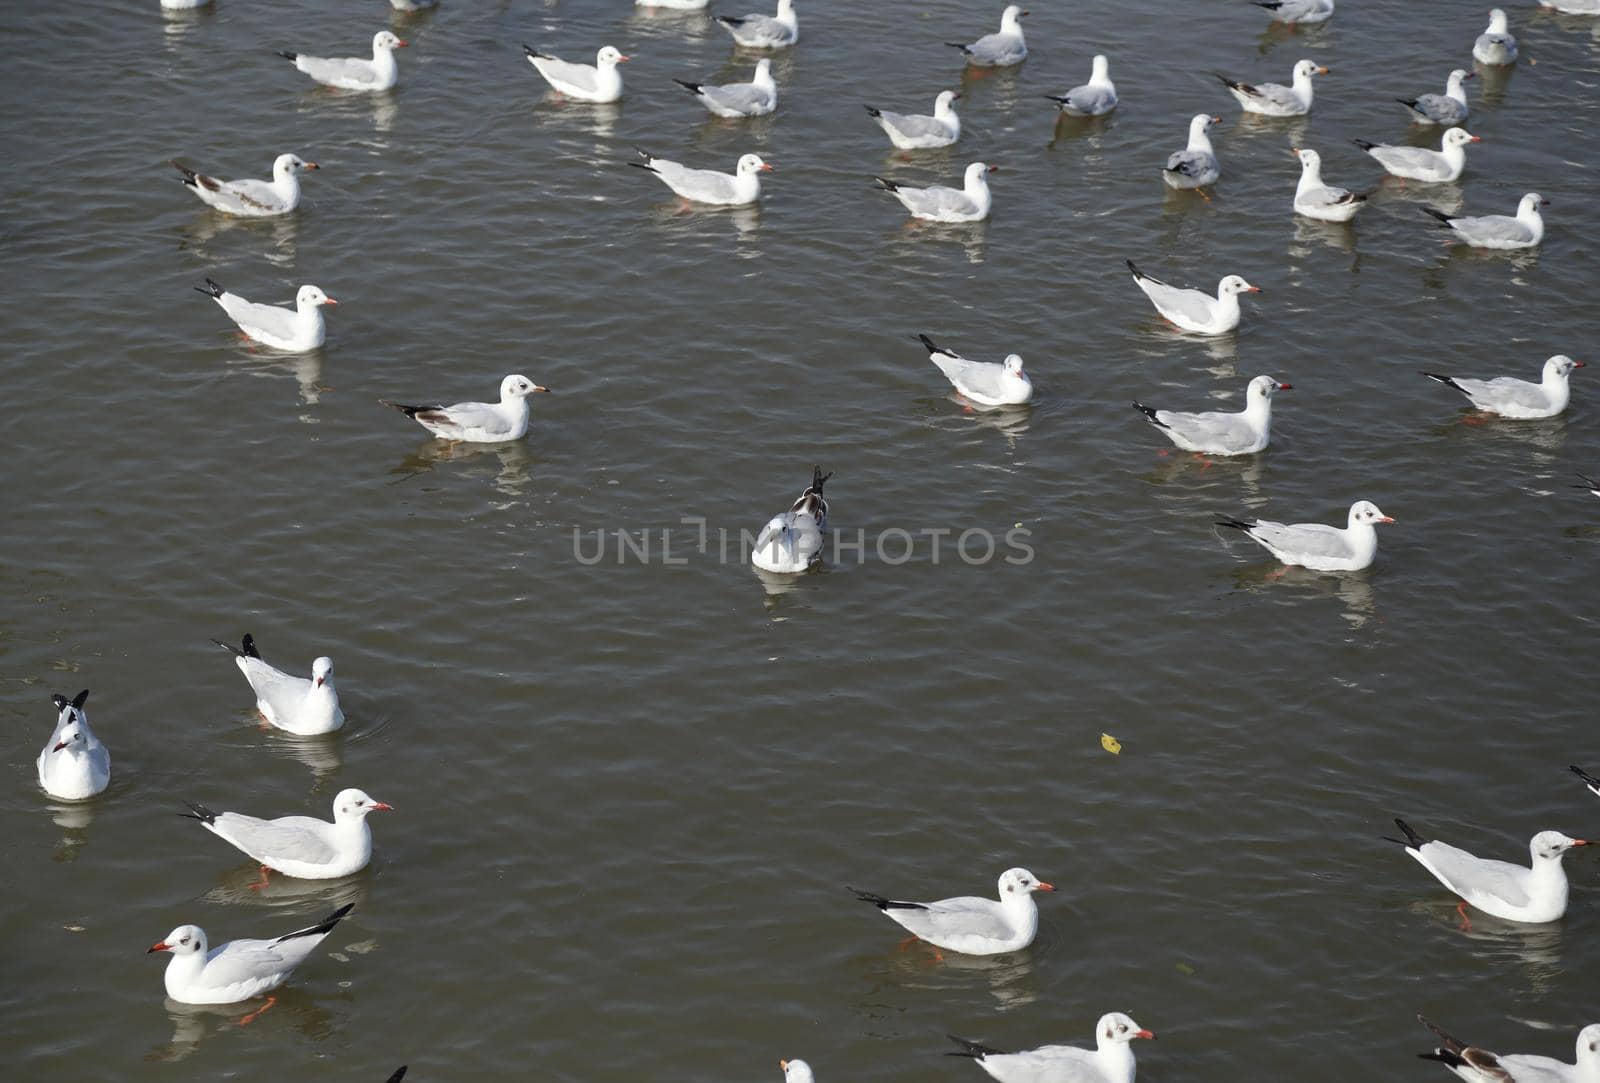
(75, 765)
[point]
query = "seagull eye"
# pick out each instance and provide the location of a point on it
(1121, 1027)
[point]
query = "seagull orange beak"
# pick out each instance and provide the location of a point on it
(312, 165)
(160, 946)
(1322, 71)
(766, 167)
(1580, 842)
(541, 387)
(381, 806)
(1387, 519)
(1253, 289)
(403, 43)
(328, 301)
(1476, 139)
(1145, 1034)
(1042, 886)
(623, 59)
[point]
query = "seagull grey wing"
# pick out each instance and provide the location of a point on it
(982, 377)
(253, 194)
(1469, 874)
(1304, 539)
(1192, 304)
(1276, 95)
(325, 70)
(1406, 157)
(914, 126)
(1089, 99)
(1441, 109)
(739, 97)
(472, 415)
(996, 49)
(283, 839)
(275, 321)
(583, 76)
(273, 685)
(965, 915)
(1501, 228)
(706, 185)
(1506, 391)
(1222, 430)
(936, 200)
(1191, 163)
(246, 961)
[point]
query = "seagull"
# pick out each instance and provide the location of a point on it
(1316, 199)
(355, 73)
(1222, 433)
(597, 82)
(1478, 1065)
(1419, 163)
(1520, 399)
(1303, 12)
(302, 707)
(1196, 310)
(1195, 166)
(1275, 99)
(756, 98)
(1588, 780)
(1318, 547)
(1499, 888)
(413, 5)
(1496, 45)
(918, 132)
(792, 541)
(1095, 98)
(478, 422)
(674, 5)
(1446, 110)
(1001, 49)
(1572, 7)
(1111, 1061)
(969, 203)
(296, 331)
(73, 765)
(1592, 487)
(969, 924)
(1525, 229)
(183, 5)
(796, 1071)
(776, 31)
(301, 846)
(738, 189)
(984, 382)
(239, 969)
(251, 198)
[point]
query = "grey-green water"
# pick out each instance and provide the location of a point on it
(629, 795)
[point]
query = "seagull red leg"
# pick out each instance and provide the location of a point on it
(253, 1016)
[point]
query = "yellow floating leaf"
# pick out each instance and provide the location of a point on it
(1110, 744)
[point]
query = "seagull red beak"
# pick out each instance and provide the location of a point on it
(161, 946)
(1387, 519)
(319, 682)
(766, 167)
(1145, 1034)
(381, 806)
(402, 43)
(59, 746)
(623, 59)
(1476, 139)
(1286, 387)
(1580, 842)
(1577, 364)
(1042, 886)
(312, 165)
(1254, 289)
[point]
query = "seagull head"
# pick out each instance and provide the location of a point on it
(383, 41)
(1115, 1028)
(1010, 15)
(1102, 68)
(975, 172)
(1305, 69)
(1459, 76)
(796, 1071)
(288, 164)
(1588, 1049)
(322, 671)
(71, 735)
(1459, 137)
(1309, 159)
(354, 804)
(942, 104)
(1365, 511)
(1497, 21)
(1233, 284)
(1560, 367)
(610, 58)
(184, 940)
(1264, 387)
(1020, 883)
(1014, 365)
(751, 164)
(1531, 204)
(519, 387)
(1551, 845)
(311, 297)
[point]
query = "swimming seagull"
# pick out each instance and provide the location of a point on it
(413, 5)
(1497, 45)
(73, 765)
(969, 924)
(1572, 7)
(294, 704)
(1316, 546)
(1111, 1061)
(1275, 99)
(1095, 98)
(920, 132)
(674, 5)
(251, 198)
(296, 331)
(355, 73)
(1477, 1065)
(1195, 166)
(984, 382)
(792, 541)
(776, 31)
(301, 846)
(1001, 49)
(239, 969)
(756, 98)
(1303, 12)
(478, 422)
(597, 82)
(1218, 432)
(1196, 310)
(183, 5)
(796, 1071)
(738, 189)
(1533, 895)
(969, 203)
(1592, 487)
(1419, 163)
(1525, 229)
(1315, 198)
(1447, 109)
(1520, 399)
(1588, 780)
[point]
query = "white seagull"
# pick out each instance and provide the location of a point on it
(1419, 163)
(73, 765)
(1001, 49)
(1534, 895)
(792, 541)
(738, 189)
(1525, 229)
(355, 73)
(1111, 1061)
(756, 98)
(413, 5)
(1316, 546)
(597, 82)
(251, 198)
(1572, 7)
(296, 331)
(1477, 1065)
(183, 5)
(969, 203)
(674, 5)
(796, 1071)
(1196, 310)
(1496, 45)
(1315, 198)
(1095, 98)
(1593, 784)
(969, 924)
(1195, 166)
(1521, 399)
(984, 382)
(1592, 487)
(918, 131)
(1303, 12)
(239, 969)
(301, 707)
(1275, 99)
(479, 422)
(1216, 432)
(1446, 110)
(776, 31)
(301, 846)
